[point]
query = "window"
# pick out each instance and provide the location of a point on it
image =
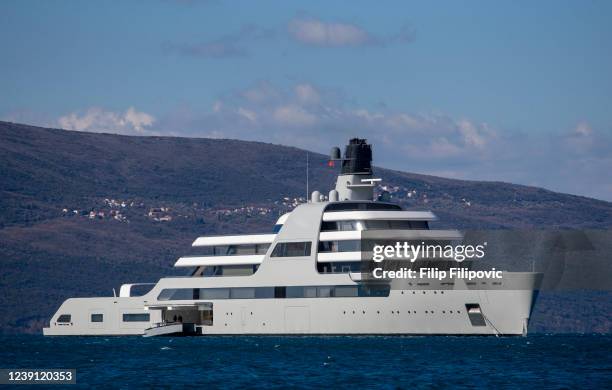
(230, 250)
(64, 318)
(346, 291)
(373, 224)
(337, 267)
(352, 206)
(292, 249)
(420, 225)
(214, 293)
(277, 228)
(282, 292)
(97, 318)
(340, 246)
(226, 270)
(136, 317)
(242, 292)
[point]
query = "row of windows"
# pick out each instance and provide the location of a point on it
(338, 267)
(231, 250)
(98, 317)
(178, 294)
(226, 270)
(332, 226)
(353, 206)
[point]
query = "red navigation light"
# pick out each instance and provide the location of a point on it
(330, 163)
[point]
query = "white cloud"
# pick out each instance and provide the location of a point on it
(95, 119)
(138, 120)
(315, 32)
(248, 114)
(261, 93)
(307, 94)
(583, 129)
(472, 135)
(294, 116)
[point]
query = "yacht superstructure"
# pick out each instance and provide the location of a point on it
(307, 277)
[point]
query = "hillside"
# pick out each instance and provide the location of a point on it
(82, 213)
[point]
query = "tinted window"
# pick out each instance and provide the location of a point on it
(339, 267)
(230, 250)
(424, 225)
(97, 317)
(292, 249)
(340, 246)
(346, 291)
(373, 224)
(286, 292)
(214, 293)
(242, 292)
(135, 317)
(327, 226)
(352, 206)
(226, 270)
(64, 318)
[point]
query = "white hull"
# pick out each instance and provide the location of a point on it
(425, 312)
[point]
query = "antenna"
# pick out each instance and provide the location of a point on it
(307, 189)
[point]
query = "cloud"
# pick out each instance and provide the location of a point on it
(316, 32)
(306, 115)
(293, 116)
(306, 30)
(307, 94)
(583, 129)
(228, 46)
(95, 119)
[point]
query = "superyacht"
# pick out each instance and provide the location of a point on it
(307, 277)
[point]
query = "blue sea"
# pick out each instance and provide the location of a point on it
(536, 361)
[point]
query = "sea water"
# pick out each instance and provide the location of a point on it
(536, 361)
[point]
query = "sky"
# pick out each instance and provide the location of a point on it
(515, 91)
